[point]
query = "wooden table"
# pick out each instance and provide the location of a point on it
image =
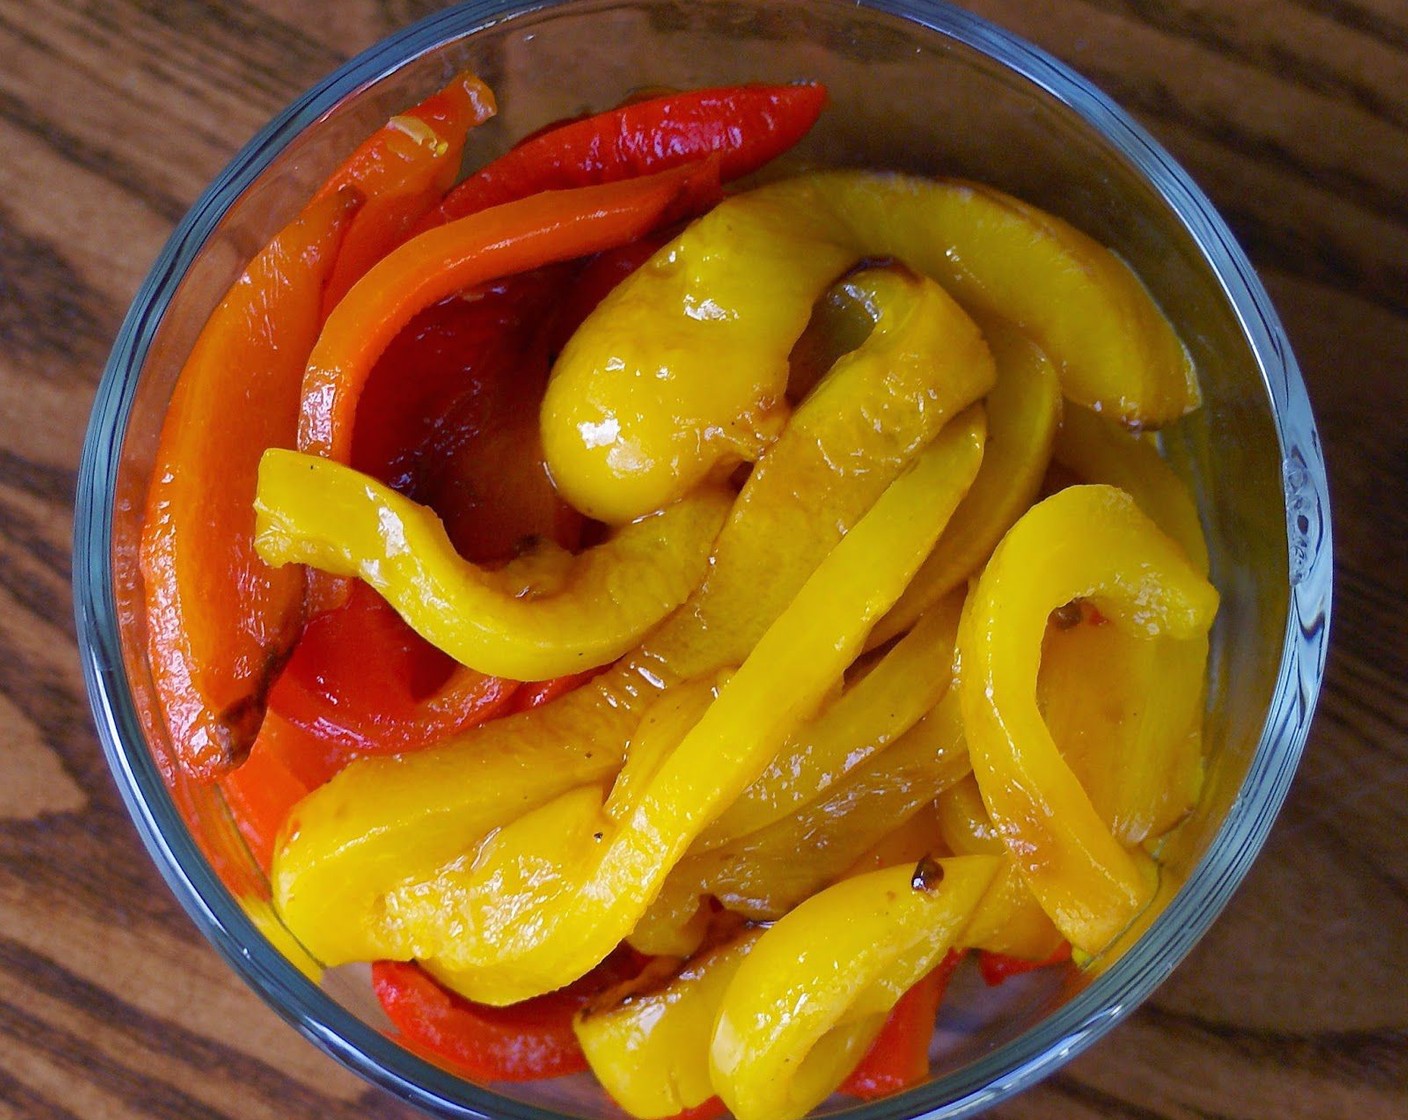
(1293, 114)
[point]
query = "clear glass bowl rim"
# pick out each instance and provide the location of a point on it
(1010, 1068)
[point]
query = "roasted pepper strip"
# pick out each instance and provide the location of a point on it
(650, 1049)
(384, 821)
(867, 717)
(745, 125)
(764, 874)
(997, 968)
(553, 226)
(633, 417)
(220, 621)
(403, 169)
(520, 921)
(530, 619)
(1126, 713)
(814, 991)
(1024, 412)
(527, 1042)
(1084, 542)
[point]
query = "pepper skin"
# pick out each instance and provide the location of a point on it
(1087, 542)
(541, 615)
(634, 417)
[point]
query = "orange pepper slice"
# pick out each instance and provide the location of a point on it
(220, 621)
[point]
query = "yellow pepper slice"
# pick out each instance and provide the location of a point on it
(813, 990)
(1127, 715)
(536, 617)
(868, 716)
(1009, 919)
(552, 893)
(383, 822)
(1024, 413)
(1096, 449)
(906, 844)
(1135, 716)
(650, 1050)
(764, 874)
(1087, 542)
(636, 415)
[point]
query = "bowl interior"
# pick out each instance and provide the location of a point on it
(918, 87)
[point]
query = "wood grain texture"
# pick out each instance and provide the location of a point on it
(1292, 114)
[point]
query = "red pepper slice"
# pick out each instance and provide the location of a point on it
(403, 169)
(362, 682)
(523, 1042)
(998, 967)
(220, 621)
(899, 1056)
(745, 125)
(544, 228)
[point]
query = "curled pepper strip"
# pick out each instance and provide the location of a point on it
(525, 621)
(382, 822)
(721, 366)
(1087, 542)
(220, 622)
(867, 717)
(1127, 714)
(814, 991)
(548, 227)
(745, 125)
(520, 921)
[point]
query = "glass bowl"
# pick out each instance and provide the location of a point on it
(918, 86)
